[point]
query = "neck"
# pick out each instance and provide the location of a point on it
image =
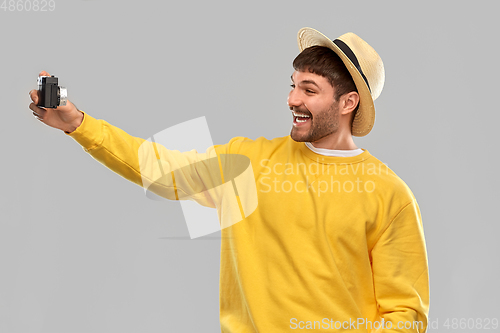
(339, 140)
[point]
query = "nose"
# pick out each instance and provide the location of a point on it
(293, 99)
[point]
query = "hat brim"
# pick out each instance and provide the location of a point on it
(365, 116)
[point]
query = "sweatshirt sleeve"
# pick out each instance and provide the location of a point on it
(400, 272)
(169, 173)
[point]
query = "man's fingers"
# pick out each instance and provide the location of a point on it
(34, 96)
(37, 116)
(39, 111)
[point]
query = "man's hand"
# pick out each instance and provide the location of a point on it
(66, 118)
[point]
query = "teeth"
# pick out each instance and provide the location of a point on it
(300, 121)
(300, 115)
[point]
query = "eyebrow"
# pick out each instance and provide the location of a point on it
(306, 82)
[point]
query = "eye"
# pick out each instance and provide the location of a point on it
(309, 91)
(292, 85)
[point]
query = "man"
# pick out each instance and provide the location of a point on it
(336, 241)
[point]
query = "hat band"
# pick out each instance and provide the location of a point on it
(348, 52)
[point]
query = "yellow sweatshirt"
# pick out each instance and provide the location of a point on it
(331, 244)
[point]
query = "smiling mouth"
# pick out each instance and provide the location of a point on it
(300, 118)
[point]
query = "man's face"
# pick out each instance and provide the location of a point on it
(313, 96)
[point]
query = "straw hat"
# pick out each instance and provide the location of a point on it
(365, 66)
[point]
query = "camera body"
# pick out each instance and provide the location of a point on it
(50, 95)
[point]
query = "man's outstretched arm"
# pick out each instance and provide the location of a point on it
(168, 173)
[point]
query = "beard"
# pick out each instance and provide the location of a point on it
(322, 124)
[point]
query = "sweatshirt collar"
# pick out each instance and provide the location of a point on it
(334, 152)
(319, 158)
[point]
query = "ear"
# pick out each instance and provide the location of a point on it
(348, 102)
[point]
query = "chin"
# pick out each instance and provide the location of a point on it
(298, 139)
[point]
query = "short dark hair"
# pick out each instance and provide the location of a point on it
(324, 61)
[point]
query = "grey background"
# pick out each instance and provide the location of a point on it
(83, 250)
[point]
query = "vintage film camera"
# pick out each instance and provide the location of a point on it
(49, 93)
